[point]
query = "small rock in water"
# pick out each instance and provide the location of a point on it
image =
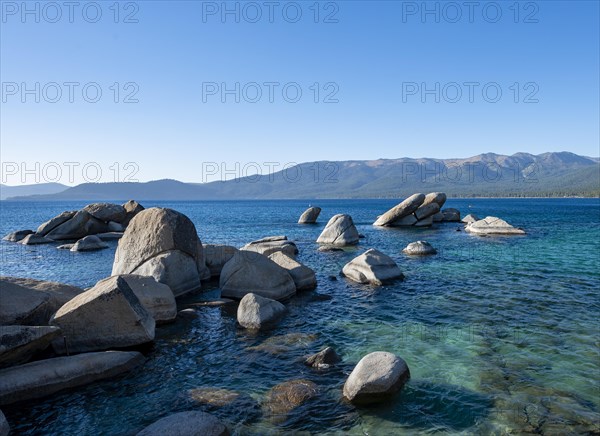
(310, 215)
(17, 236)
(89, 243)
(256, 312)
(323, 359)
(419, 248)
(372, 267)
(333, 278)
(340, 230)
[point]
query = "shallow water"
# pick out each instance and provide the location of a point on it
(500, 333)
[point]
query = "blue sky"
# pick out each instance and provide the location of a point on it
(374, 58)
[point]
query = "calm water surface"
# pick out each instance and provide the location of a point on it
(501, 334)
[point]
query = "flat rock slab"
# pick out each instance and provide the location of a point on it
(45, 377)
(19, 343)
(493, 226)
(186, 424)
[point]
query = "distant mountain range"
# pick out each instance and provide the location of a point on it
(486, 175)
(24, 190)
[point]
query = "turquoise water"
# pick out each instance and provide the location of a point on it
(501, 334)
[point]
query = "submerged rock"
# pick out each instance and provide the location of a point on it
(89, 243)
(217, 398)
(419, 248)
(109, 315)
(250, 272)
(304, 277)
(323, 359)
(17, 236)
(493, 226)
(284, 343)
(272, 244)
(164, 244)
(186, 424)
(45, 377)
(310, 215)
(376, 376)
(19, 343)
(255, 312)
(401, 210)
(340, 230)
(372, 267)
(287, 396)
(33, 239)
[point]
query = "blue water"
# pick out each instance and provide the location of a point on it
(500, 333)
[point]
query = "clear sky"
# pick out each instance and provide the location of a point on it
(392, 80)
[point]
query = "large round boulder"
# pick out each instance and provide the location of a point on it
(164, 244)
(304, 277)
(340, 230)
(372, 267)
(310, 215)
(376, 377)
(250, 272)
(109, 315)
(256, 312)
(401, 210)
(193, 423)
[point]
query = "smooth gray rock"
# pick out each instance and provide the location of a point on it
(419, 248)
(17, 236)
(492, 225)
(425, 222)
(451, 215)
(77, 227)
(106, 212)
(19, 343)
(157, 298)
(109, 315)
(376, 376)
(114, 226)
(310, 215)
(35, 239)
(372, 267)
(132, 208)
(164, 244)
(435, 197)
(304, 277)
(4, 427)
(340, 230)
(408, 220)
(272, 244)
(401, 210)
(256, 312)
(30, 301)
(89, 243)
(203, 271)
(438, 217)
(193, 423)
(323, 359)
(46, 377)
(51, 224)
(250, 272)
(216, 256)
(471, 218)
(427, 210)
(110, 236)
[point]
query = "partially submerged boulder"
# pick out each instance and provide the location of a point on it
(17, 236)
(34, 239)
(376, 377)
(164, 244)
(340, 230)
(471, 218)
(492, 225)
(109, 315)
(272, 244)
(45, 377)
(106, 212)
(250, 272)
(52, 223)
(419, 248)
(19, 343)
(323, 359)
(401, 210)
(310, 215)
(256, 312)
(304, 277)
(77, 227)
(216, 256)
(193, 423)
(157, 298)
(32, 302)
(372, 267)
(89, 243)
(451, 215)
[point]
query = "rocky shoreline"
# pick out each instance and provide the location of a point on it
(56, 336)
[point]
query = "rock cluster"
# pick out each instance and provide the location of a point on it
(418, 210)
